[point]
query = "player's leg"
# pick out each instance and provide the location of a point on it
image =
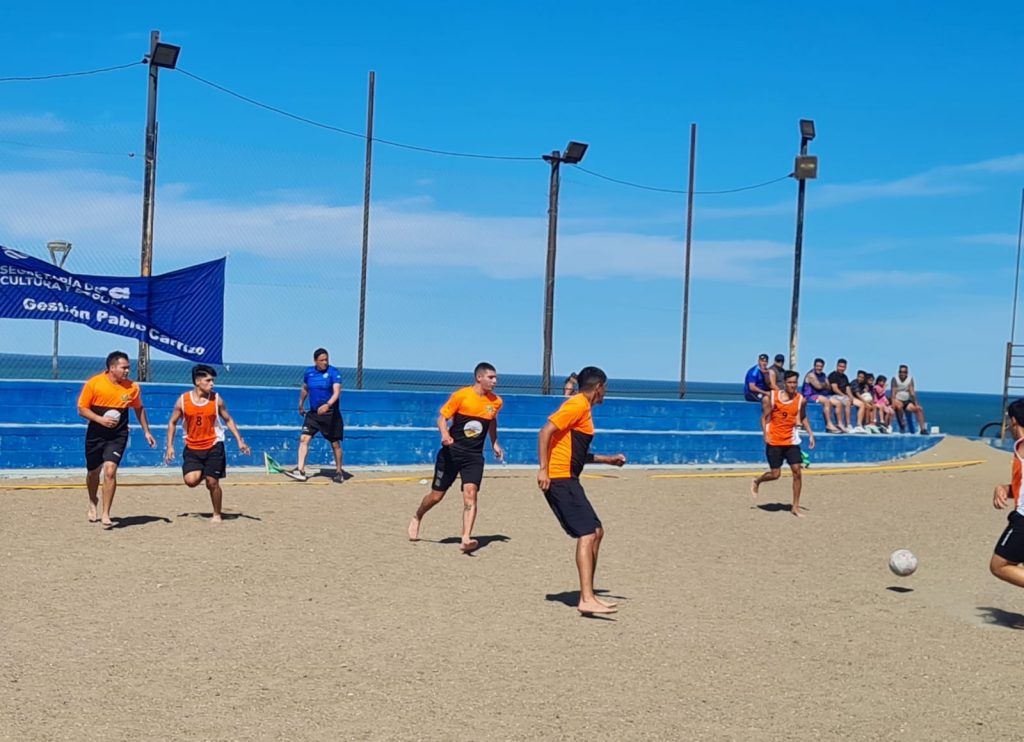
(92, 488)
(444, 475)
(216, 495)
(774, 456)
(300, 465)
(472, 474)
(598, 536)
(192, 467)
(1006, 570)
(794, 459)
(109, 488)
(1009, 552)
(339, 475)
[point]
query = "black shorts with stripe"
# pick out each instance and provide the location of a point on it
(569, 503)
(1010, 545)
(330, 426)
(212, 462)
(449, 464)
(101, 448)
(778, 454)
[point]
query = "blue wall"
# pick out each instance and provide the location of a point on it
(40, 428)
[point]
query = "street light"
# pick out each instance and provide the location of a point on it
(160, 56)
(59, 250)
(574, 152)
(805, 168)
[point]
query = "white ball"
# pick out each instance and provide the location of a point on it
(902, 562)
(113, 414)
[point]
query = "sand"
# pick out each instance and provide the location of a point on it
(308, 615)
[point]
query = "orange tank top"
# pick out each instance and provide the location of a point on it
(203, 429)
(781, 428)
(1015, 475)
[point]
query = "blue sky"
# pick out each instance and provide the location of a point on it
(911, 228)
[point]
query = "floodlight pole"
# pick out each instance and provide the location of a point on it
(366, 232)
(797, 256)
(63, 249)
(555, 158)
(686, 265)
(149, 190)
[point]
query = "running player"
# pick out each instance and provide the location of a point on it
(472, 411)
(1006, 563)
(204, 457)
(104, 402)
(563, 447)
(321, 382)
(780, 413)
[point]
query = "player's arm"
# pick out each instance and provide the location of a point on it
(806, 423)
(85, 400)
(230, 422)
(543, 448)
(172, 424)
(766, 414)
(140, 415)
(442, 427)
(492, 430)
(303, 393)
(335, 394)
(617, 460)
(1001, 496)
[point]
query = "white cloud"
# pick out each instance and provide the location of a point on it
(880, 280)
(46, 123)
(990, 238)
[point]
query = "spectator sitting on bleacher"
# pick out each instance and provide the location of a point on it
(863, 400)
(904, 399)
(816, 390)
(755, 384)
(839, 383)
(775, 374)
(882, 406)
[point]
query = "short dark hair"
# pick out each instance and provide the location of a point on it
(203, 370)
(841, 360)
(117, 355)
(1016, 411)
(790, 375)
(904, 366)
(881, 378)
(861, 371)
(320, 352)
(763, 357)
(483, 367)
(590, 376)
(820, 360)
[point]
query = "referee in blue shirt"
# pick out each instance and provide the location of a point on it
(321, 382)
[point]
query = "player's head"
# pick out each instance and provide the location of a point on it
(321, 359)
(841, 365)
(762, 361)
(118, 364)
(1015, 412)
(791, 378)
(819, 365)
(780, 360)
(486, 375)
(904, 371)
(203, 375)
(592, 379)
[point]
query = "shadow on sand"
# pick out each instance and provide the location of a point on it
(999, 617)
(329, 473)
(898, 589)
(225, 516)
(483, 541)
(778, 507)
(136, 520)
(571, 598)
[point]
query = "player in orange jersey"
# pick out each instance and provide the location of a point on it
(781, 411)
(473, 413)
(1009, 552)
(563, 448)
(104, 402)
(203, 411)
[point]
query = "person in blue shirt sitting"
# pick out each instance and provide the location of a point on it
(755, 385)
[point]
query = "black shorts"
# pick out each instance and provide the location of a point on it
(100, 449)
(212, 462)
(450, 465)
(1010, 545)
(330, 426)
(777, 454)
(570, 505)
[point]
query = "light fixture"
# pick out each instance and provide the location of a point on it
(165, 55)
(807, 129)
(574, 152)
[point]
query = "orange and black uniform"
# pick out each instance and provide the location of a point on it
(471, 415)
(104, 397)
(204, 436)
(569, 452)
(1010, 545)
(782, 441)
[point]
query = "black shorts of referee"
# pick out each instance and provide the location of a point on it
(569, 503)
(1010, 545)
(451, 464)
(101, 447)
(212, 462)
(777, 454)
(330, 426)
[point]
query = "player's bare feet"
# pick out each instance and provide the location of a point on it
(606, 603)
(414, 529)
(796, 511)
(595, 606)
(753, 488)
(107, 522)
(216, 519)
(470, 545)
(92, 514)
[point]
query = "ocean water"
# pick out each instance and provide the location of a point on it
(956, 413)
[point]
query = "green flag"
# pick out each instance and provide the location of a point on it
(272, 466)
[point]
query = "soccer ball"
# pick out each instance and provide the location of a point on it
(902, 562)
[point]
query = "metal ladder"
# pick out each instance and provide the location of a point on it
(1013, 380)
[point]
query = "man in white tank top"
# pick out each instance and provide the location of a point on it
(904, 399)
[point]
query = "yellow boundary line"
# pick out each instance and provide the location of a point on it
(833, 470)
(178, 483)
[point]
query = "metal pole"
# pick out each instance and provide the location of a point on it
(366, 232)
(686, 269)
(1016, 280)
(149, 191)
(555, 159)
(797, 255)
(1007, 370)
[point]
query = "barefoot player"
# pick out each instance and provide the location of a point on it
(104, 402)
(563, 447)
(1009, 552)
(471, 411)
(780, 413)
(204, 457)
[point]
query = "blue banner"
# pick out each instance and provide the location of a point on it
(181, 313)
